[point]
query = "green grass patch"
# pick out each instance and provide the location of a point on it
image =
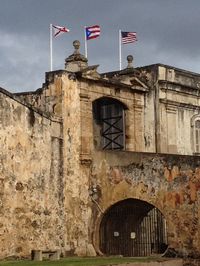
(77, 261)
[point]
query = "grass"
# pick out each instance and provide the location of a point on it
(77, 261)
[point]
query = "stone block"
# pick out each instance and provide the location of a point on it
(37, 255)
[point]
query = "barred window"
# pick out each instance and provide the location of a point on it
(109, 114)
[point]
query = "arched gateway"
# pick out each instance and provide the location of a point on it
(133, 227)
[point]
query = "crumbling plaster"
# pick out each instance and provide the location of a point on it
(170, 183)
(31, 190)
(56, 183)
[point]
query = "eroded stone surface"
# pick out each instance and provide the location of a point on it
(56, 182)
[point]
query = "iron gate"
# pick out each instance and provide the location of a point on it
(133, 228)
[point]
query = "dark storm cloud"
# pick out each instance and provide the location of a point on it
(168, 32)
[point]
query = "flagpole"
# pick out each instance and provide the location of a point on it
(85, 42)
(120, 51)
(51, 49)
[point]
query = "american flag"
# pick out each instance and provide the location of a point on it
(128, 37)
(92, 32)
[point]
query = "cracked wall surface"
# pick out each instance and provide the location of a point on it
(170, 183)
(31, 183)
(52, 159)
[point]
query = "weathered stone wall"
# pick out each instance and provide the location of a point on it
(176, 100)
(176, 123)
(76, 177)
(31, 180)
(172, 190)
(178, 105)
(170, 183)
(139, 115)
(62, 97)
(49, 166)
(139, 118)
(48, 99)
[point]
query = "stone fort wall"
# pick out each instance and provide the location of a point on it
(169, 182)
(31, 185)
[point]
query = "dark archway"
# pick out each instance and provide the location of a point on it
(133, 227)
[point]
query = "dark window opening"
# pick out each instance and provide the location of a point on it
(109, 115)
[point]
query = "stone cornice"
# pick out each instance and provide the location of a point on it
(115, 84)
(176, 85)
(178, 104)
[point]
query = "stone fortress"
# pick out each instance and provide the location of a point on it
(96, 164)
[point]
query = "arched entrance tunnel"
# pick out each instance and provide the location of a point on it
(133, 227)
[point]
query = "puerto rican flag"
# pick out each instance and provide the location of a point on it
(92, 32)
(59, 30)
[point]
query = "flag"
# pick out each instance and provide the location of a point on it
(59, 30)
(128, 37)
(92, 32)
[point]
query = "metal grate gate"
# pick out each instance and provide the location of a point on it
(133, 229)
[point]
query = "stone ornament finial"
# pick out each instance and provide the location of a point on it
(130, 61)
(76, 61)
(76, 45)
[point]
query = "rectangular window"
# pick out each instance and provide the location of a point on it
(112, 116)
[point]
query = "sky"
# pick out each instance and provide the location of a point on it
(168, 32)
